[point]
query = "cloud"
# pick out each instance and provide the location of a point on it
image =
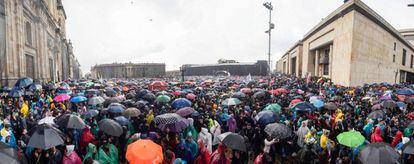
(177, 32)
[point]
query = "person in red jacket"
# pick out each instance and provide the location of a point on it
(397, 138)
(204, 155)
(376, 136)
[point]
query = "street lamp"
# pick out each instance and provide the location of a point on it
(411, 5)
(269, 6)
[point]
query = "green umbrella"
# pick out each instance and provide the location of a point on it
(351, 139)
(231, 102)
(163, 99)
(274, 108)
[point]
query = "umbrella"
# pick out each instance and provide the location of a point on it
(266, 117)
(318, 103)
(274, 108)
(150, 97)
(132, 112)
(330, 106)
(351, 139)
(70, 121)
(389, 104)
(78, 99)
(47, 120)
(185, 111)
(44, 137)
(61, 98)
(116, 108)
(231, 102)
(175, 127)
(376, 107)
(376, 114)
(144, 151)
(91, 92)
(411, 125)
(239, 95)
(274, 92)
(181, 103)
(110, 127)
(278, 130)
(191, 96)
(405, 91)
(163, 99)
(91, 113)
(261, 95)
(220, 137)
(378, 153)
(110, 92)
(401, 105)
(35, 87)
(8, 154)
(24, 82)
(282, 91)
(246, 90)
(122, 120)
(235, 141)
(303, 107)
(16, 93)
(408, 148)
(410, 100)
(167, 118)
(295, 101)
(111, 100)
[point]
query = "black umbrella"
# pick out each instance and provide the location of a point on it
(35, 87)
(278, 130)
(111, 100)
(410, 100)
(24, 82)
(70, 121)
(235, 141)
(378, 153)
(110, 92)
(330, 106)
(128, 103)
(408, 148)
(390, 104)
(376, 114)
(150, 97)
(110, 127)
(8, 154)
(141, 104)
(45, 136)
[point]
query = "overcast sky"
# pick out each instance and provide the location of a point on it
(179, 32)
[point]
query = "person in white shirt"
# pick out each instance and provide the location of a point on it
(267, 143)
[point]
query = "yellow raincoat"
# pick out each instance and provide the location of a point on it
(24, 110)
(339, 116)
(150, 117)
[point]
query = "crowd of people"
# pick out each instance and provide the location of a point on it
(206, 120)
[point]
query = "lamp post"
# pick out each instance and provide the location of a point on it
(269, 6)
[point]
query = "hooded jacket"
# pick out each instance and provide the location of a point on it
(376, 136)
(206, 137)
(397, 138)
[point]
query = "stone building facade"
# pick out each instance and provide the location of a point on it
(259, 68)
(352, 46)
(33, 42)
(128, 70)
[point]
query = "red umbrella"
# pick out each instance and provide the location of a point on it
(158, 85)
(282, 90)
(274, 92)
(246, 90)
(176, 93)
(295, 101)
(191, 96)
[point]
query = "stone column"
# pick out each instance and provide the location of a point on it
(317, 63)
(330, 60)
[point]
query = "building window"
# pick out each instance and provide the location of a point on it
(30, 67)
(29, 37)
(404, 56)
(395, 46)
(411, 63)
(326, 62)
(393, 58)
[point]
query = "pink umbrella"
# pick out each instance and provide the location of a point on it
(274, 92)
(61, 98)
(191, 96)
(246, 90)
(295, 101)
(282, 90)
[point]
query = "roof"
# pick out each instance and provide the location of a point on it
(362, 8)
(223, 64)
(406, 30)
(298, 43)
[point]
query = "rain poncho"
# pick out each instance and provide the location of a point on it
(24, 110)
(204, 157)
(150, 117)
(4, 134)
(231, 123)
(325, 142)
(219, 156)
(368, 128)
(206, 137)
(191, 145)
(398, 136)
(86, 138)
(71, 157)
(191, 129)
(301, 133)
(376, 137)
(90, 152)
(110, 158)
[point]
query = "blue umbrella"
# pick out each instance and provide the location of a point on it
(116, 108)
(78, 99)
(405, 92)
(16, 92)
(122, 120)
(318, 103)
(303, 107)
(401, 105)
(24, 82)
(181, 103)
(266, 117)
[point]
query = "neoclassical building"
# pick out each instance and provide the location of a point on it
(33, 42)
(353, 45)
(128, 70)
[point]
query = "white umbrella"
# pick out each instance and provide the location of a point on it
(47, 120)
